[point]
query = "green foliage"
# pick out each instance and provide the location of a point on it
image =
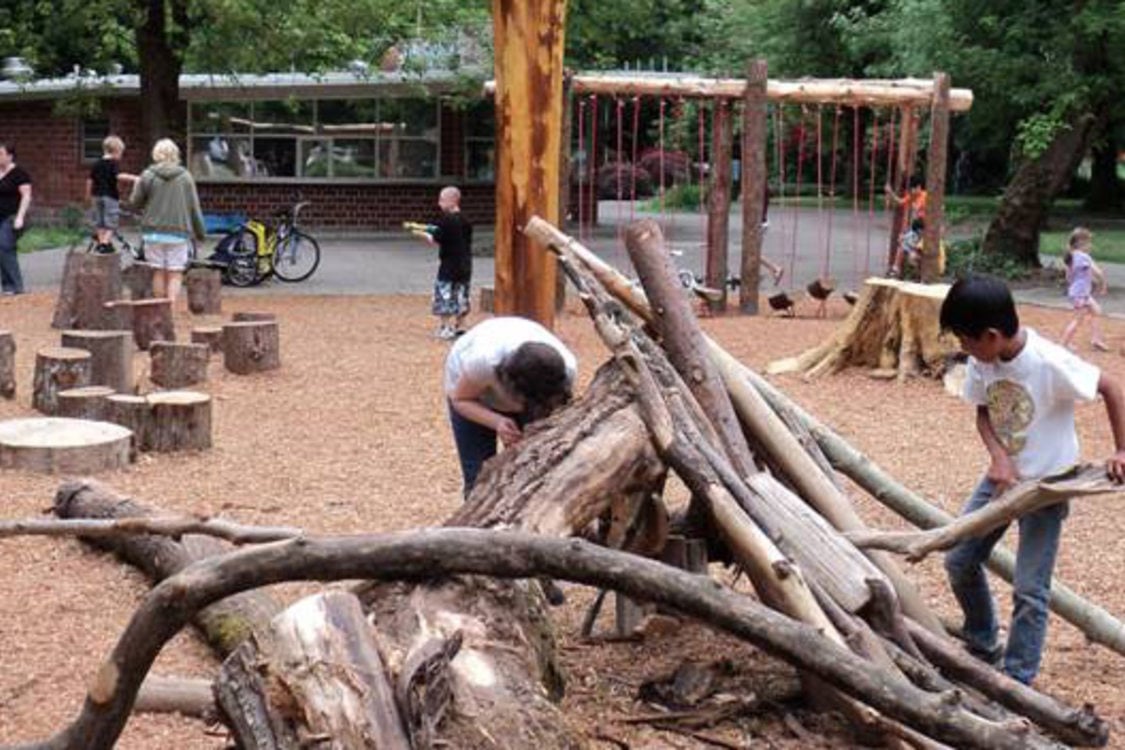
(965, 257)
(47, 238)
(1036, 133)
(1109, 244)
(603, 34)
(72, 217)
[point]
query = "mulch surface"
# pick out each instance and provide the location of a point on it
(350, 435)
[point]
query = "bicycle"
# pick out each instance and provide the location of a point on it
(256, 251)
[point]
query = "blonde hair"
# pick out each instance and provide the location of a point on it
(1079, 237)
(166, 152)
(113, 145)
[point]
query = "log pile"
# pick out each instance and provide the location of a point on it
(430, 652)
(893, 330)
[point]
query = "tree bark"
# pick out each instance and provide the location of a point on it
(937, 162)
(252, 346)
(160, 44)
(134, 413)
(212, 336)
(138, 280)
(178, 365)
(168, 695)
(111, 356)
(88, 402)
(89, 281)
(7, 365)
(58, 368)
(1014, 232)
(204, 291)
(718, 201)
(53, 445)
(181, 421)
(152, 320)
(754, 179)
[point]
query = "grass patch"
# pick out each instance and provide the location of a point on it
(1109, 244)
(46, 238)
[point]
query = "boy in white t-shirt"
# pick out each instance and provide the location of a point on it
(1025, 389)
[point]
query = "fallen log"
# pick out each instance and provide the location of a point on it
(1023, 498)
(177, 695)
(445, 552)
(892, 329)
(1095, 622)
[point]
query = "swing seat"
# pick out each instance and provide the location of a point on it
(781, 302)
(820, 289)
(707, 293)
(851, 298)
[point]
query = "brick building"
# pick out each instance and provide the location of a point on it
(367, 152)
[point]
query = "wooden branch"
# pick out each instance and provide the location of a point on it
(444, 552)
(1094, 621)
(1079, 727)
(177, 695)
(812, 91)
(1024, 498)
(170, 526)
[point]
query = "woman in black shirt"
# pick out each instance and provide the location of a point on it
(15, 197)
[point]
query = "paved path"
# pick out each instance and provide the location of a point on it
(397, 263)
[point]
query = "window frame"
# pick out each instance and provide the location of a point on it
(84, 140)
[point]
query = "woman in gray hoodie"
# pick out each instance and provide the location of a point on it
(172, 217)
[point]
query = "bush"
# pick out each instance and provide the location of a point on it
(627, 175)
(677, 166)
(966, 257)
(71, 216)
(685, 197)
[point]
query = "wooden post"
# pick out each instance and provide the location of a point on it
(7, 365)
(718, 200)
(181, 420)
(528, 38)
(87, 402)
(150, 319)
(204, 291)
(132, 412)
(905, 169)
(935, 179)
(564, 174)
(111, 356)
(89, 280)
(753, 183)
(178, 365)
(58, 368)
(252, 346)
(212, 336)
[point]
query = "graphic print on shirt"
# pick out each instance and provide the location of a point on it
(1011, 410)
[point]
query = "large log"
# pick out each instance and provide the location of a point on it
(893, 328)
(57, 368)
(261, 682)
(89, 281)
(251, 346)
(54, 445)
(7, 365)
(111, 356)
(226, 623)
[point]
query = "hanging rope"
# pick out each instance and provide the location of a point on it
(890, 159)
(857, 157)
(582, 177)
(633, 173)
(702, 125)
(801, 131)
(820, 175)
(593, 162)
(660, 156)
(620, 159)
(831, 194)
(871, 189)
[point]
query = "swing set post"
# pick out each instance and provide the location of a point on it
(908, 128)
(753, 182)
(718, 201)
(528, 39)
(936, 160)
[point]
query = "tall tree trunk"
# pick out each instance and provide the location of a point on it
(1106, 192)
(161, 37)
(1014, 231)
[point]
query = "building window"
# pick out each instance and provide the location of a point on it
(91, 135)
(480, 142)
(336, 139)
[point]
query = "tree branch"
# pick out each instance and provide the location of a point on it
(173, 526)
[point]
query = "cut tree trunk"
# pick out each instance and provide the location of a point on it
(204, 291)
(226, 623)
(267, 675)
(88, 402)
(133, 412)
(89, 281)
(1014, 231)
(58, 368)
(178, 365)
(894, 329)
(138, 280)
(251, 317)
(7, 365)
(152, 320)
(212, 336)
(111, 356)
(181, 421)
(53, 445)
(251, 346)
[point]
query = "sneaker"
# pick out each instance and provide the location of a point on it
(993, 657)
(105, 249)
(445, 333)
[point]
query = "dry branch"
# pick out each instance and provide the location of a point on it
(170, 526)
(1018, 501)
(443, 552)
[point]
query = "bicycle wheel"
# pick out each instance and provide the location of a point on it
(242, 271)
(296, 257)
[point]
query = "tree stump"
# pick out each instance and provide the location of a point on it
(152, 320)
(89, 281)
(251, 346)
(134, 413)
(7, 365)
(111, 356)
(894, 329)
(250, 317)
(137, 279)
(178, 365)
(181, 421)
(53, 445)
(212, 336)
(204, 291)
(58, 368)
(87, 402)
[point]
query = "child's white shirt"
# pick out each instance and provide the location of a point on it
(1031, 400)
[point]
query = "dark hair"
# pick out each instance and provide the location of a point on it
(916, 181)
(537, 372)
(975, 304)
(917, 225)
(9, 148)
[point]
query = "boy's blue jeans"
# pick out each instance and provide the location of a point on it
(475, 445)
(1035, 560)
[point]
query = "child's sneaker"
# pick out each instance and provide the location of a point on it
(445, 333)
(993, 657)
